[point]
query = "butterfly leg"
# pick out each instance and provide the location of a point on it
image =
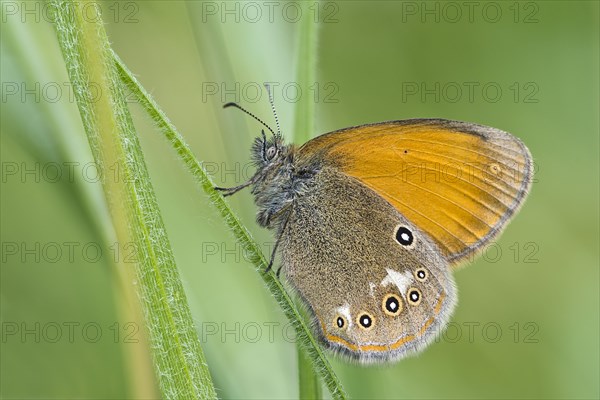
(235, 189)
(232, 190)
(274, 252)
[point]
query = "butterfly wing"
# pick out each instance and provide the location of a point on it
(458, 182)
(376, 286)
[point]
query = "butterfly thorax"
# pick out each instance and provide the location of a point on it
(278, 180)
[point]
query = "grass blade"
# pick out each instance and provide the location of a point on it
(178, 358)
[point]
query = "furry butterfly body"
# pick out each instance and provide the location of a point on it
(368, 228)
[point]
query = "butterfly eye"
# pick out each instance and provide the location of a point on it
(365, 320)
(340, 322)
(414, 296)
(404, 236)
(421, 274)
(271, 152)
(392, 305)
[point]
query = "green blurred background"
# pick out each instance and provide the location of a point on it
(527, 322)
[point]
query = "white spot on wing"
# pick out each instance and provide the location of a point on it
(401, 280)
(345, 312)
(371, 289)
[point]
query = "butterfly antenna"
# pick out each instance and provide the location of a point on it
(250, 114)
(273, 109)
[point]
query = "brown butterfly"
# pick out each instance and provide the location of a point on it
(371, 220)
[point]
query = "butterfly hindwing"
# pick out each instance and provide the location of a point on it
(344, 255)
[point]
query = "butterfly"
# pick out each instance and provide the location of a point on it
(372, 220)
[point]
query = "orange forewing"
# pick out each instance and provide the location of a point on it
(458, 182)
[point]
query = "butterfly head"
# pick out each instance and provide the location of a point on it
(273, 186)
(269, 152)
